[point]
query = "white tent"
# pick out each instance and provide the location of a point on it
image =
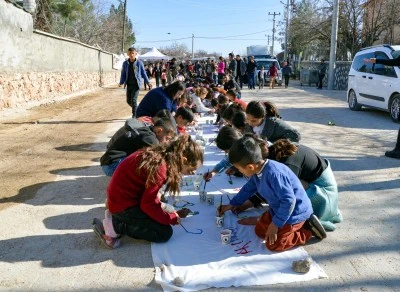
(154, 54)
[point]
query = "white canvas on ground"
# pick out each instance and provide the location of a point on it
(201, 261)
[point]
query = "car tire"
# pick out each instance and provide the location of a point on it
(394, 108)
(352, 100)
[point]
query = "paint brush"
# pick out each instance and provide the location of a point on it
(220, 206)
(230, 179)
(205, 181)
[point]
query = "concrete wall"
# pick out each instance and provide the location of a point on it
(37, 66)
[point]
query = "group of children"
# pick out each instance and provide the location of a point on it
(151, 153)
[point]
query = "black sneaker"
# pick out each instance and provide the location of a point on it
(395, 153)
(314, 225)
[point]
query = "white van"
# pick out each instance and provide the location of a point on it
(375, 85)
(266, 63)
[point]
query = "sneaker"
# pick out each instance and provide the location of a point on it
(314, 225)
(395, 153)
(108, 241)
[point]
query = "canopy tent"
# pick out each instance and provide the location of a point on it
(154, 54)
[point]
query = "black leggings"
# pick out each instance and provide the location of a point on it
(134, 223)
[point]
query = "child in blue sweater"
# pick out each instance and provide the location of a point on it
(290, 221)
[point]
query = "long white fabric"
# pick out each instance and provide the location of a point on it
(201, 261)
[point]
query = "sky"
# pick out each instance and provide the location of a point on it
(220, 26)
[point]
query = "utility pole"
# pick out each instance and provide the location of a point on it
(123, 28)
(287, 31)
(273, 30)
(332, 57)
(192, 45)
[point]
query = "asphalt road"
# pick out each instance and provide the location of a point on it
(46, 241)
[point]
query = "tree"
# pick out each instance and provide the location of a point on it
(176, 50)
(70, 10)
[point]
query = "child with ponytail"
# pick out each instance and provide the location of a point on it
(132, 195)
(264, 120)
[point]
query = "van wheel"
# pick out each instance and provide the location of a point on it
(394, 108)
(353, 104)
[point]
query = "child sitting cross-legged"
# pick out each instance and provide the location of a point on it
(290, 221)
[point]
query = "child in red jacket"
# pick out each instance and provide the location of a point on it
(132, 194)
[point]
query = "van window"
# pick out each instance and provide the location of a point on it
(384, 70)
(359, 64)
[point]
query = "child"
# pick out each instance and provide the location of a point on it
(199, 94)
(164, 78)
(262, 75)
(290, 221)
(131, 138)
(183, 117)
(239, 121)
(225, 138)
(232, 95)
(132, 194)
(264, 121)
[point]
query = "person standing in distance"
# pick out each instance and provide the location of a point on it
(321, 73)
(395, 153)
(131, 77)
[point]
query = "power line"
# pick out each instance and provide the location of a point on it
(160, 41)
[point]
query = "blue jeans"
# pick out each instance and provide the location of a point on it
(110, 168)
(252, 82)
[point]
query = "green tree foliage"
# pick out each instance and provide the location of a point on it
(93, 22)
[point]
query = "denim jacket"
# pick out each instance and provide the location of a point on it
(139, 72)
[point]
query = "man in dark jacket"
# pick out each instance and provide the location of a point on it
(232, 65)
(395, 153)
(251, 71)
(240, 71)
(133, 136)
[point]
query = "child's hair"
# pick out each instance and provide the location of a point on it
(164, 113)
(214, 102)
(232, 93)
(272, 110)
(172, 155)
(166, 124)
(239, 120)
(282, 148)
(200, 91)
(173, 88)
(131, 49)
(223, 99)
(231, 110)
(226, 137)
(222, 108)
(245, 151)
(262, 109)
(186, 113)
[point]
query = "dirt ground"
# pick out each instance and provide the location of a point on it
(38, 142)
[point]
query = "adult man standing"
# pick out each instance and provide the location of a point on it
(286, 72)
(232, 65)
(131, 77)
(240, 70)
(251, 70)
(321, 72)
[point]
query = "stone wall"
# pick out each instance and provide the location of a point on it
(37, 66)
(341, 72)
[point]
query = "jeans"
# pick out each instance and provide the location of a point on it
(252, 80)
(320, 80)
(132, 93)
(134, 223)
(286, 80)
(239, 80)
(215, 78)
(157, 81)
(110, 168)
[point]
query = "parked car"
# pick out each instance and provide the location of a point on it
(268, 63)
(375, 85)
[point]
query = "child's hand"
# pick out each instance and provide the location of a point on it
(209, 175)
(178, 219)
(224, 208)
(183, 212)
(272, 234)
(230, 171)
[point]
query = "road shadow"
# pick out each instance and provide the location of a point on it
(87, 147)
(77, 186)
(39, 122)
